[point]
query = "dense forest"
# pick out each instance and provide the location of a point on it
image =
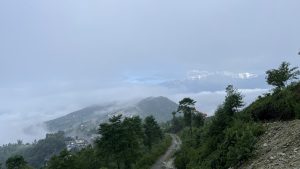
(222, 141)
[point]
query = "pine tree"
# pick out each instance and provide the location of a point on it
(279, 77)
(152, 131)
(187, 107)
(133, 140)
(111, 142)
(121, 141)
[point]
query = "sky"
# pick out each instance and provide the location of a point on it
(58, 56)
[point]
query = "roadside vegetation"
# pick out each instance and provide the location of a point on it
(228, 138)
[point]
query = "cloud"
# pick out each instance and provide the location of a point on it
(25, 116)
(58, 56)
(201, 74)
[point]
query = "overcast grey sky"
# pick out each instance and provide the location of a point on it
(59, 55)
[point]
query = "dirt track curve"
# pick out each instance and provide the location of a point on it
(166, 161)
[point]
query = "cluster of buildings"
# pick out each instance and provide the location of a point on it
(79, 143)
(76, 144)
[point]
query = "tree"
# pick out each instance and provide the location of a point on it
(121, 141)
(279, 77)
(132, 139)
(16, 162)
(152, 132)
(176, 123)
(233, 100)
(187, 107)
(88, 158)
(198, 119)
(224, 116)
(111, 142)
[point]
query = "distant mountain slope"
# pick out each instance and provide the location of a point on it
(160, 107)
(77, 117)
(85, 121)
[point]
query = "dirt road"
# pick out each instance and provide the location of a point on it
(166, 161)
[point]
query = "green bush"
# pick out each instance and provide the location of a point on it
(239, 142)
(236, 146)
(280, 105)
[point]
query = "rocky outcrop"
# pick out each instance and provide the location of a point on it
(278, 148)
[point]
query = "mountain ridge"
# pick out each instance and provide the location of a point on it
(87, 119)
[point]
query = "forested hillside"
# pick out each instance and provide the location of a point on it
(83, 122)
(230, 137)
(37, 153)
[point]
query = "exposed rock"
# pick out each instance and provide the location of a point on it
(278, 148)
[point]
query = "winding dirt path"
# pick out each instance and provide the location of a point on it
(166, 161)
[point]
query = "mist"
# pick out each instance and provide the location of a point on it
(60, 56)
(24, 120)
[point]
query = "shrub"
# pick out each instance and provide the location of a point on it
(280, 105)
(239, 142)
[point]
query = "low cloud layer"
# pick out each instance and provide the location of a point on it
(22, 118)
(58, 56)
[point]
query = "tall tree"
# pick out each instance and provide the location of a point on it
(152, 132)
(111, 142)
(176, 123)
(279, 77)
(233, 100)
(121, 141)
(132, 139)
(198, 119)
(224, 114)
(187, 107)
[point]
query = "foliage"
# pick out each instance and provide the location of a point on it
(121, 140)
(120, 146)
(279, 77)
(152, 131)
(151, 156)
(11, 149)
(177, 124)
(37, 153)
(187, 107)
(223, 141)
(198, 119)
(280, 105)
(42, 150)
(16, 162)
(86, 158)
(239, 143)
(65, 160)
